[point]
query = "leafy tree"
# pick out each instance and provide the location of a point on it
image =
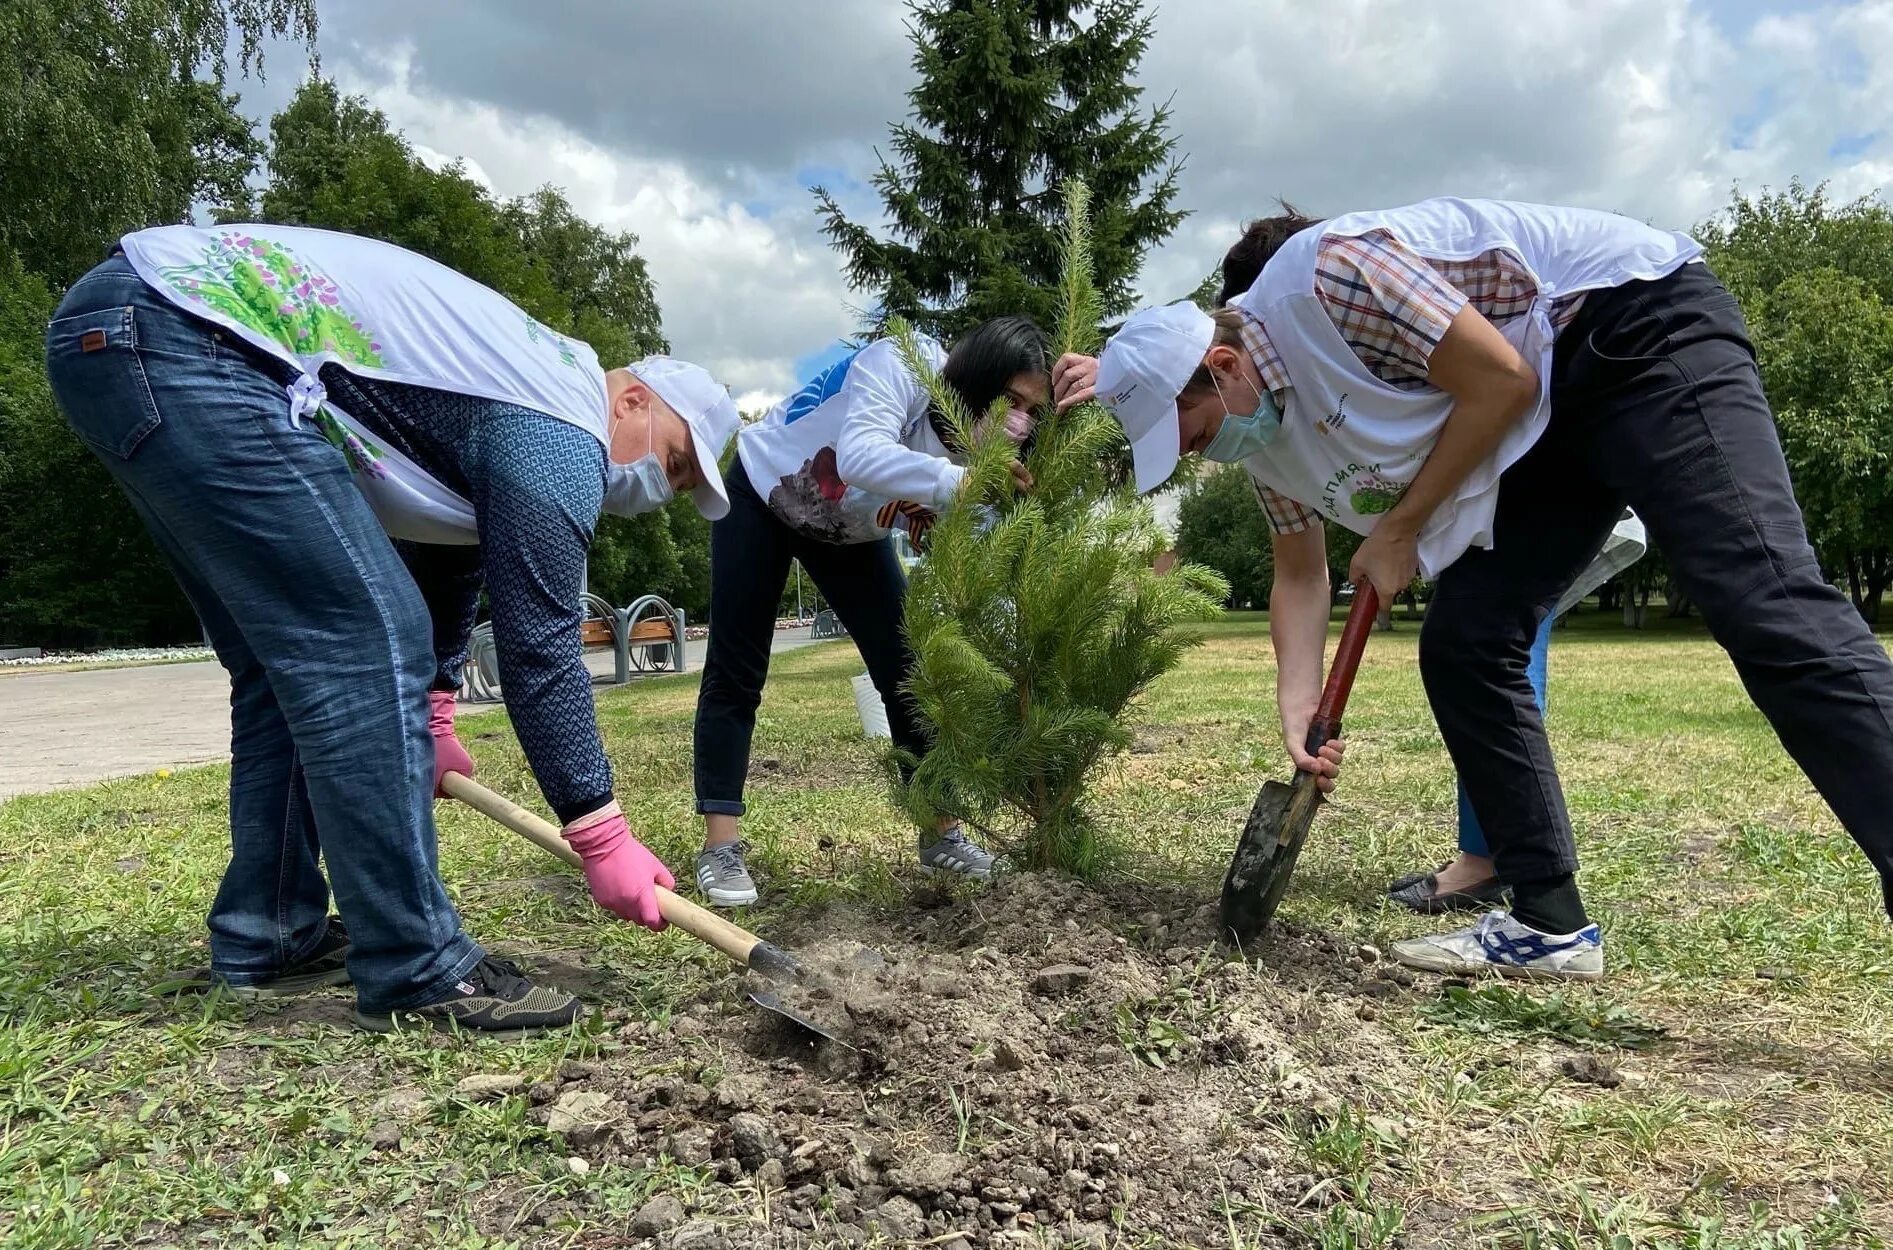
(1816, 282)
(1220, 526)
(597, 273)
(334, 163)
(1016, 98)
(1036, 618)
(113, 117)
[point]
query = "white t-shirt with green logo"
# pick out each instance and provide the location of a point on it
(317, 297)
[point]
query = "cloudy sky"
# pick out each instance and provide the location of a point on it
(700, 125)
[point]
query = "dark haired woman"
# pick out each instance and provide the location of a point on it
(1479, 388)
(825, 479)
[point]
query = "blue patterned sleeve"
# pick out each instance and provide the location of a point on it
(449, 580)
(537, 484)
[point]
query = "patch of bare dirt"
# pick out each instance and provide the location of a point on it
(1042, 1063)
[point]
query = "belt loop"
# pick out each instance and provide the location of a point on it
(305, 398)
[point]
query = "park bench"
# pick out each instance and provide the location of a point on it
(647, 637)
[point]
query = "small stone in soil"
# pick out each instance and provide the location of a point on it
(771, 1175)
(1059, 979)
(406, 1103)
(577, 1166)
(1010, 1055)
(698, 1235)
(928, 1175)
(583, 1114)
(690, 1146)
(385, 1135)
(542, 1092)
(899, 1219)
(1592, 1071)
(754, 1139)
(738, 1093)
(659, 1215)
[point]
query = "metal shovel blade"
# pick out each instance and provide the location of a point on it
(769, 1000)
(771, 963)
(1265, 858)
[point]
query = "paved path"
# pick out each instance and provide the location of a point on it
(71, 729)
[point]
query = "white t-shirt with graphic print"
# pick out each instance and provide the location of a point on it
(317, 297)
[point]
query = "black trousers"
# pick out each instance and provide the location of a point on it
(1656, 402)
(750, 551)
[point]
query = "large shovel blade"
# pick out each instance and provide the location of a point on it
(1265, 857)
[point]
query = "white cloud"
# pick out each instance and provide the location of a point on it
(742, 294)
(1650, 107)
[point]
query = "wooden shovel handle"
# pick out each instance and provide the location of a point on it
(706, 926)
(1347, 662)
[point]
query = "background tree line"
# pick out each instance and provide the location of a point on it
(115, 114)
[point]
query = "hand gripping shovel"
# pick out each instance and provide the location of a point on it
(1278, 823)
(765, 959)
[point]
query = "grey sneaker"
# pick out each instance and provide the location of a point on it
(957, 853)
(723, 878)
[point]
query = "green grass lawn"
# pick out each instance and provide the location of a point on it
(1740, 920)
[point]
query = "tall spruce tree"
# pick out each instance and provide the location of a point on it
(1036, 618)
(1015, 99)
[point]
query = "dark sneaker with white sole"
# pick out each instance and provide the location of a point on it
(321, 968)
(956, 853)
(494, 999)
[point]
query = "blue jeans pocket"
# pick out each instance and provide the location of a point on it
(99, 378)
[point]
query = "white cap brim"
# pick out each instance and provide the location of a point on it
(712, 497)
(1154, 456)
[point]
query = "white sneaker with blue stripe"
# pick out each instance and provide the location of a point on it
(1499, 944)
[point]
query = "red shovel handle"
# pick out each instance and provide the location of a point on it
(1347, 661)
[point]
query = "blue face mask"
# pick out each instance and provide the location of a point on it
(638, 487)
(1243, 435)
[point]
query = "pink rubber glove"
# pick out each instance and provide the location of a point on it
(621, 873)
(449, 755)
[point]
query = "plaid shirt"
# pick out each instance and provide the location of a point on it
(1393, 307)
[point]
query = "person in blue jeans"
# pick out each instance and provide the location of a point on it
(280, 405)
(1470, 881)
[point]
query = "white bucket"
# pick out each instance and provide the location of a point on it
(867, 702)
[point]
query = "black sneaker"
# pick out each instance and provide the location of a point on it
(494, 999)
(322, 967)
(1423, 895)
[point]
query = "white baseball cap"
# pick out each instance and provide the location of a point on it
(706, 407)
(1140, 375)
